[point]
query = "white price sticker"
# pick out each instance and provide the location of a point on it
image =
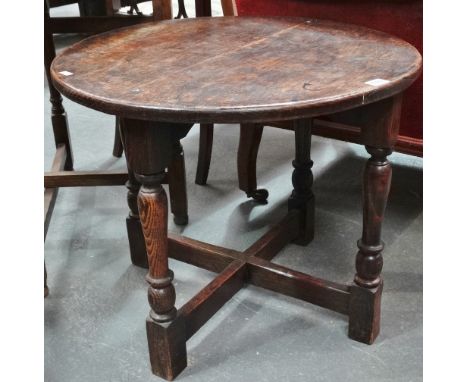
(377, 82)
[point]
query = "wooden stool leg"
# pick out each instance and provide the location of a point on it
(204, 153)
(302, 197)
(177, 185)
(249, 143)
(364, 319)
(118, 146)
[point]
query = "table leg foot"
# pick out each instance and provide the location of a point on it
(167, 347)
(364, 313)
(302, 197)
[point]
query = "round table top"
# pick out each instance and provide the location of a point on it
(234, 69)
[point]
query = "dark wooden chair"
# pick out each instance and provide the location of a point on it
(402, 18)
(62, 173)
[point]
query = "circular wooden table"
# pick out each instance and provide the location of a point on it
(161, 78)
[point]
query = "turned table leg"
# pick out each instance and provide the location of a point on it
(380, 123)
(302, 197)
(364, 321)
(166, 335)
(149, 148)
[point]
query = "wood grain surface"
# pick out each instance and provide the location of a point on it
(234, 69)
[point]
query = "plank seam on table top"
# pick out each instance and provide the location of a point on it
(236, 49)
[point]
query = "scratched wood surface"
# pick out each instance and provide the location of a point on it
(234, 69)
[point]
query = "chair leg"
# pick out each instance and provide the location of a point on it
(118, 146)
(58, 114)
(81, 9)
(249, 143)
(204, 153)
(92, 8)
(182, 11)
(46, 288)
(178, 186)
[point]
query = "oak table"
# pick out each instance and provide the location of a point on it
(162, 78)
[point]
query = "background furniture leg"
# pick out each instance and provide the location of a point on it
(182, 13)
(249, 143)
(59, 117)
(46, 288)
(204, 153)
(177, 185)
(229, 7)
(302, 197)
(92, 8)
(162, 9)
(202, 8)
(118, 146)
(136, 239)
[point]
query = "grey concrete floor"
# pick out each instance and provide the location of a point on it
(95, 314)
